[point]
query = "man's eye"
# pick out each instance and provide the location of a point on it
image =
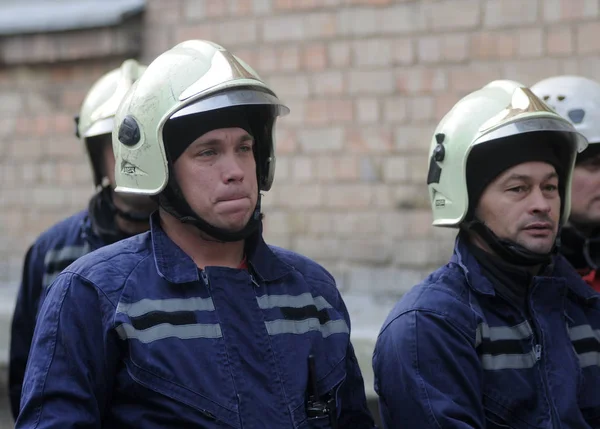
(208, 152)
(517, 189)
(246, 148)
(551, 188)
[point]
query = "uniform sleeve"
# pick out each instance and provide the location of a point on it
(72, 360)
(427, 374)
(23, 323)
(354, 412)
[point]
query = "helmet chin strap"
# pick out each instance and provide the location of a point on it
(508, 250)
(173, 202)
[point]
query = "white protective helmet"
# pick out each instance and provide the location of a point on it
(501, 109)
(576, 98)
(96, 117)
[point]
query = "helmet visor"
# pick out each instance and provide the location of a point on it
(231, 98)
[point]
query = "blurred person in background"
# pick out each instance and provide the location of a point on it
(109, 217)
(506, 334)
(198, 322)
(578, 99)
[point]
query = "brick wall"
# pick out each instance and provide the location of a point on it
(366, 81)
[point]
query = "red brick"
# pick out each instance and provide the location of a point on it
(241, 7)
(283, 169)
(283, 28)
(454, 14)
(570, 66)
(320, 25)
(569, 10)
(317, 112)
(473, 76)
(290, 86)
(421, 109)
(402, 18)
(72, 99)
(429, 49)
(23, 126)
(303, 169)
(166, 12)
(559, 40)
(64, 124)
(304, 196)
(531, 42)
(198, 31)
(41, 125)
(288, 5)
(369, 139)
(297, 106)
(348, 196)
(413, 138)
(509, 13)
(531, 70)
(337, 168)
(340, 53)
(238, 32)
(372, 52)
(213, 8)
(455, 47)
(261, 7)
(395, 110)
(328, 83)
(359, 21)
(286, 141)
(421, 80)
(321, 139)
(267, 60)
(588, 38)
(289, 58)
(443, 104)
(61, 73)
(159, 40)
(314, 57)
(251, 57)
(321, 249)
(341, 111)
(491, 45)
(367, 110)
(589, 67)
(372, 82)
(395, 169)
(369, 2)
(403, 51)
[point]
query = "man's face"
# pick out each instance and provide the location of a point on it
(139, 203)
(217, 175)
(523, 205)
(585, 198)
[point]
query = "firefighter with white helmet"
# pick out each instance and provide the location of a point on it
(108, 218)
(577, 98)
(504, 334)
(198, 322)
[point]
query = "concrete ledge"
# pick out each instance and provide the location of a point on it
(367, 316)
(8, 295)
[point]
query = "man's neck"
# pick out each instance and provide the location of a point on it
(127, 226)
(477, 241)
(204, 250)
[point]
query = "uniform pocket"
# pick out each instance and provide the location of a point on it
(207, 409)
